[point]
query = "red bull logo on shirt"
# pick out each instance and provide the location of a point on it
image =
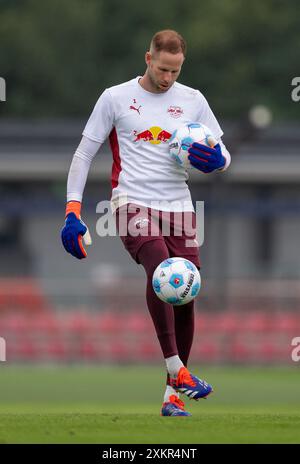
(154, 135)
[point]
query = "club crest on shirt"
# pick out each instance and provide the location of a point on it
(141, 222)
(175, 111)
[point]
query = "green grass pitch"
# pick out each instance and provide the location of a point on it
(102, 404)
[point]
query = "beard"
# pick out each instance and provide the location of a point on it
(156, 84)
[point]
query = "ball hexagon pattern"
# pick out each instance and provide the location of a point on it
(176, 281)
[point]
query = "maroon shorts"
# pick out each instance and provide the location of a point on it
(137, 225)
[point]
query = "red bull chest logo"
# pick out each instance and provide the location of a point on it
(154, 135)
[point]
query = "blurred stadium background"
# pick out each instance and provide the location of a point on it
(56, 58)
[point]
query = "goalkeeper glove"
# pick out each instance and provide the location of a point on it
(74, 231)
(206, 159)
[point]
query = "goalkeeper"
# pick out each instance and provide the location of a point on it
(139, 117)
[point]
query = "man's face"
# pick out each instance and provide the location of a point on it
(163, 69)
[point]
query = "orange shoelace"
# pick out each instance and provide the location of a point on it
(174, 399)
(185, 377)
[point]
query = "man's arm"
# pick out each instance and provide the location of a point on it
(95, 132)
(75, 229)
(80, 167)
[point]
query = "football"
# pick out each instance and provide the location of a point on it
(183, 137)
(176, 281)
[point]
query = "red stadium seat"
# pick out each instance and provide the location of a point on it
(137, 322)
(254, 322)
(16, 323)
(109, 322)
(56, 350)
(47, 322)
(116, 350)
(201, 322)
(88, 350)
(288, 322)
(239, 351)
(78, 322)
(206, 351)
(26, 350)
(266, 351)
(224, 322)
(23, 294)
(148, 351)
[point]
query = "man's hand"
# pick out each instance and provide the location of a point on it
(206, 159)
(74, 231)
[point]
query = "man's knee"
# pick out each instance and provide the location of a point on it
(152, 253)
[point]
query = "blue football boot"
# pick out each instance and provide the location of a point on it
(190, 385)
(174, 407)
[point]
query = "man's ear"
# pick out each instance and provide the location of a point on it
(148, 58)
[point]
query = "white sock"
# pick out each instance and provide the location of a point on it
(169, 391)
(173, 363)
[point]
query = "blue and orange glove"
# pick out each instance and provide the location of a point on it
(206, 159)
(74, 231)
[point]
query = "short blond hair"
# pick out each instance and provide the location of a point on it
(168, 41)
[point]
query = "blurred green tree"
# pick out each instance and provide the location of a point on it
(57, 56)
